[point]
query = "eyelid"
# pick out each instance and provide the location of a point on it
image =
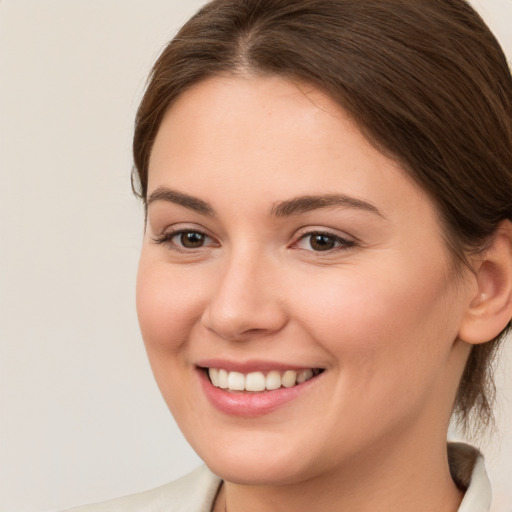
(322, 230)
(346, 241)
(166, 235)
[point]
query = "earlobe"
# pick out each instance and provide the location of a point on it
(490, 306)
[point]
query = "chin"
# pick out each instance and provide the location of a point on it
(258, 472)
(259, 458)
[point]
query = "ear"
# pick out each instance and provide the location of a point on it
(490, 306)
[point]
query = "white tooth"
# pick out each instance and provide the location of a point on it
(255, 381)
(289, 378)
(304, 375)
(273, 380)
(236, 381)
(214, 376)
(223, 379)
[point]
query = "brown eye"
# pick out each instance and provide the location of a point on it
(191, 239)
(322, 242)
(183, 240)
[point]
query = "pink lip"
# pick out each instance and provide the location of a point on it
(250, 404)
(249, 366)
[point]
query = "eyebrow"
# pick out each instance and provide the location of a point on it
(304, 204)
(190, 202)
(295, 206)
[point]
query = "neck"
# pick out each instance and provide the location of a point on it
(387, 479)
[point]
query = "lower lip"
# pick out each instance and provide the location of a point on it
(251, 404)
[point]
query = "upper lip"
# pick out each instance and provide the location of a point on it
(251, 365)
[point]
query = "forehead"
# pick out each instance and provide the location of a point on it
(244, 105)
(242, 136)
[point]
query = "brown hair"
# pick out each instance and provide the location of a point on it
(426, 82)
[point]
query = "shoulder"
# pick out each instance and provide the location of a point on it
(194, 492)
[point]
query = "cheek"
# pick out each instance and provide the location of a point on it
(389, 344)
(168, 305)
(383, 327)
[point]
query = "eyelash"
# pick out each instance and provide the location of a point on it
(340, 242)
(167, 239)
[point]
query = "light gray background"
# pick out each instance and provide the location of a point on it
(80, 416)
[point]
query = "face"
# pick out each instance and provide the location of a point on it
(289, 261)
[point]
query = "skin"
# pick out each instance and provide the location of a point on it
(380, 312)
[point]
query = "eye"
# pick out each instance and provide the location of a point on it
(322, 242)
(185, 239)
(190, 239)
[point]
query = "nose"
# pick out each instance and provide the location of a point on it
(247, 301)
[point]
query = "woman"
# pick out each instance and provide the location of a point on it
(326, 270)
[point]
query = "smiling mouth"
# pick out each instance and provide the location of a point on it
(259, 381)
